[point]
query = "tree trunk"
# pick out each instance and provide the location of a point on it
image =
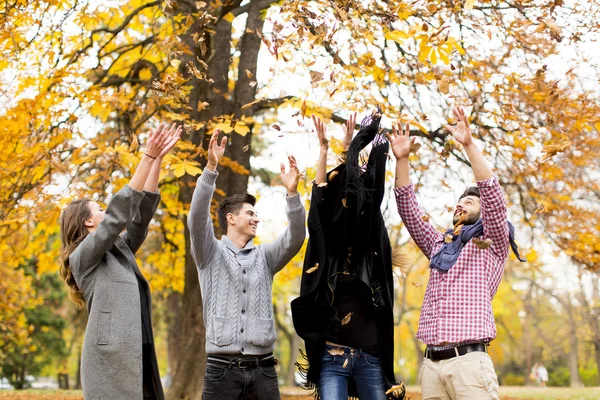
(291, 368)
(573, 362)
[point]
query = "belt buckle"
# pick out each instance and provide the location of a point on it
(246, 364)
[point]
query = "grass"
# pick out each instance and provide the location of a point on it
(506, 393)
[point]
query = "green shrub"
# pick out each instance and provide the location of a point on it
(513, 380)
(559, 376)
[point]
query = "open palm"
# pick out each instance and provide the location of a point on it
(461, 131)
(291, 177)
(400, 140)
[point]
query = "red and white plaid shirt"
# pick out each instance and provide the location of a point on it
(458, 304)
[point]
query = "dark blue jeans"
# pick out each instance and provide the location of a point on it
(362, 367)
(232, 383)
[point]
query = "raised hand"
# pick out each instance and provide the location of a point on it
(348, 129)
(321, 131)
(174, 134)
(158, 140)
(461, 132)
(290, 178)
(215, 151)
(400, 140)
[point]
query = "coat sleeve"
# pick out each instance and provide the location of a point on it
(287, 245)
(202, 234)
(119, 213)
(137, 229)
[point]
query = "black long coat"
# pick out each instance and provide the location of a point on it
(347, 234)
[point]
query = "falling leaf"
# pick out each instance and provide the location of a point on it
(249, 104)
(229, 17)
(541, 209)
(200, 5)
(469, 4)
(345, 363)
(322, 184)
(300, 123)
(448, 238)
(175, 63)
(444, 85)
(303, 108)
(249, 74)
(347, 318)
(252, 84)
(417, 283)
(202, 105)
(425, 218)
(332, 175)
(312, 269)
(310, 64)
(457, 230)
(414, 147)
(315, 77)
(246, 147)
(344, 203)
(333, 92)
(135, 144)
(553, 149)
(276, 127)
(482, 244)
(336, 352)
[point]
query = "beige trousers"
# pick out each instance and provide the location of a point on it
(468, 377)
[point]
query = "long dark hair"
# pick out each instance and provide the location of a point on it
(72, 232)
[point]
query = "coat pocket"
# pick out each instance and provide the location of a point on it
(221, 330)
(261, 332)
(104, 327)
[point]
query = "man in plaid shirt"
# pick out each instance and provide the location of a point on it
(457, 322)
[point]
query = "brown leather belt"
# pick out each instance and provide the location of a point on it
(439, 355)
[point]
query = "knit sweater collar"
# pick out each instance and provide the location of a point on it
(230, 245)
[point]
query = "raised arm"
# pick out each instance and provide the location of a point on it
(287, 245)
(137, 229)
(322, 165)
(493, 204)
(119, 212)
(199, 222)
(422, 232)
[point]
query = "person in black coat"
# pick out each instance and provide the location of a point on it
(345, 309)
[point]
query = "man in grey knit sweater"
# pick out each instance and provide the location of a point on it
(235, 280)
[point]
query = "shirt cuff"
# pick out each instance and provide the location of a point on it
(401, 191)
(493, 181)
(293, 201)
(208, 177)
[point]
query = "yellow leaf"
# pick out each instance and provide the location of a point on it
(469, 4)
(241, 129)
(313, 268)
(175, 63)
(229, 17)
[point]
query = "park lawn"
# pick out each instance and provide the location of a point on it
(506, 393)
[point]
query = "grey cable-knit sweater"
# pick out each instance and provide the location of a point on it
(236, 284)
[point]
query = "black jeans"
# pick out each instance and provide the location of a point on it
(223, 382)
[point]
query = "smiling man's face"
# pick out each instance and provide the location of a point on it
(244, 222)
(471, 207)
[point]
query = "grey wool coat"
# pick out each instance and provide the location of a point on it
(105, 269)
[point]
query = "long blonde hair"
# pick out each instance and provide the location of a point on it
(72, 232)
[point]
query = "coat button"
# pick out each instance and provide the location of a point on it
(244, 271)
(243, 311)
(244, 291)
(242, 330)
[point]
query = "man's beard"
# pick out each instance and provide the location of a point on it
(471, 219)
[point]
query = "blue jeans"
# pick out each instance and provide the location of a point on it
(363, 368)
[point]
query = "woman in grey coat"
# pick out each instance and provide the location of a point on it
(98, 265)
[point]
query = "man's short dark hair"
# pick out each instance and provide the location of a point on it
(232, 204)
(472, 191)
